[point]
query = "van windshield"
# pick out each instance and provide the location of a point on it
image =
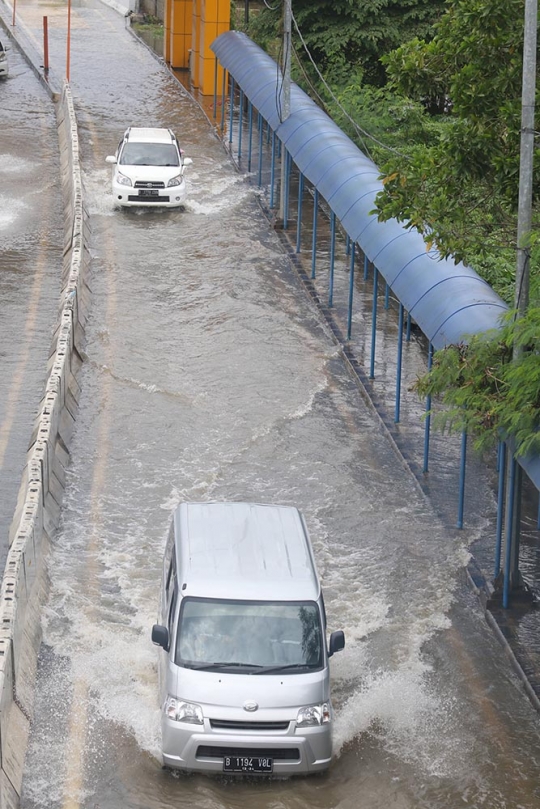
(252, 637)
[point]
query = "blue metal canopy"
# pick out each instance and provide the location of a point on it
(448, 301)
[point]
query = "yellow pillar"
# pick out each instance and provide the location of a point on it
(180, 33)
(215, 20)
(167, 28)
(195, 39)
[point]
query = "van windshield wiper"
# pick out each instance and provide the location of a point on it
(268, 669)
(234, 664)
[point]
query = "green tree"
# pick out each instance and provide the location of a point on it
(461, 191)
(487, 393)
(345, 35)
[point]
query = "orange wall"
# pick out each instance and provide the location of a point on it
(191, 26)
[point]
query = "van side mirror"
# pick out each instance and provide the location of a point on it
(160, 636)
(337, 642)
(110, 158)
(187, 161)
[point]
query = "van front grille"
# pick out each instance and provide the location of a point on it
(225, 724)
(281, 753)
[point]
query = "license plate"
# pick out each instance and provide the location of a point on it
(147, 192)
(247, 764)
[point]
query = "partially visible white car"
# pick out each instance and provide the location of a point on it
(4, 69)
(149, 169)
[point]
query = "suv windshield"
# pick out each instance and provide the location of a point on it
(149, 154)
(248, 636)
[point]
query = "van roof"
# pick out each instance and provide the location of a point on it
(244, 550)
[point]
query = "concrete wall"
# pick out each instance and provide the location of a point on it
(24, 584)
(154, 8)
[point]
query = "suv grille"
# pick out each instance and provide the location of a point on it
(145, 184)
(281, 753)
(224, 724)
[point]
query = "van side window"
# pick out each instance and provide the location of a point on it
(171, 575)
(323, 611)
(172, 607)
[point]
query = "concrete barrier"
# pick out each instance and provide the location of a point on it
(24, 584)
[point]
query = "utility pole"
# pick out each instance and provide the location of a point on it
(521, 297)
(526, 160)
(285, 94)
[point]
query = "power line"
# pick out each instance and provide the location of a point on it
(357, 126)
(320, 98)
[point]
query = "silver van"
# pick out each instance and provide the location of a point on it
(243, 669)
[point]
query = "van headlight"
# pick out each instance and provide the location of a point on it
(175, 181)
(182, 711)
(313, 715)
(121, 179)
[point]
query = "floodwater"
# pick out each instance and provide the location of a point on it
(210, 375)
(30, 266)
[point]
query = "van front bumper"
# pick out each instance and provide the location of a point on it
(190, 747)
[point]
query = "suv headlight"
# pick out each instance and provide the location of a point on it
(313, 715)
(121, 179)
(182, 711)
(175, 181)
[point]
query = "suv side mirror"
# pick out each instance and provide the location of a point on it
(110, 159)
(187, 161)
(160, 636)
(337, 642)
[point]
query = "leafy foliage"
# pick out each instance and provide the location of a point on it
(485, 390)
(345, 35)
(461, 191)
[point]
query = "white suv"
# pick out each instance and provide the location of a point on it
(149, 169)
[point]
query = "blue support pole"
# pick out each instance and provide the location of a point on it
(223, 104)
(500, 508)
(231, 110)
(509, 533)
(299, 219)
(332, 258)
(272, 169)
(259, 176)
(215, 86)
(287, 159)
(427, 427)
(314, 234)
(366, 267)
(374, 322)
(408, 338)
(240, 123)
(250, 129)
(462, 469)
(538, 517)
(399, 364)
(351, 291)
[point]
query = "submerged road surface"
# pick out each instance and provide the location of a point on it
(209, 375)
(31, 239)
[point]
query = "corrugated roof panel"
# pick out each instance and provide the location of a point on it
(348, 180)
(477, 318)
(356, 219)
(445, 298)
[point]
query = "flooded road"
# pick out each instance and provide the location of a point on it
(30, 265)
(210, 375)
